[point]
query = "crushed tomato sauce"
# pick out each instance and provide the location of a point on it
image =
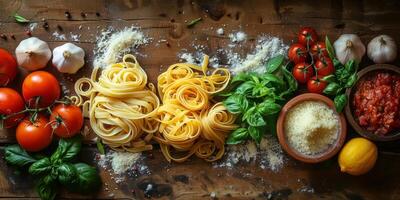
(377, 103)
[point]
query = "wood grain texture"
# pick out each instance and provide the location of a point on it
(165, 19)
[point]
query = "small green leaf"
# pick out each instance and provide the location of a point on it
(100, 146)
(237, 136)
(15, 155)
(255, 133)
(41, 166)
(67, 149)
(245, 88)
(350, 66)
(20, 19)
(330, 78)
(236, 104)
(351, 81)
(88, 180)
(46, 188)
(268, 107)
(67, 174)
(329, 48)
(193, 22)
(272, 78)
(274, 63)
(241, 77)
(340, 102)
(332, 88)
(255, 119)
(291, 82)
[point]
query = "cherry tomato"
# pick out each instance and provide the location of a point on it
(67, 120)
(42, 85)
(297, 53)
(315, 85)
(8, 67)
(11, 102)
(302, 72)
(318, 50)
(34, 136)
(307, 36)
(324, 66)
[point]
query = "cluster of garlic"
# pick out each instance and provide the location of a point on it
(33, 54)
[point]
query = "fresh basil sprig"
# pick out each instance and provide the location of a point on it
(56, 169)
(257, 99)
(345, 76)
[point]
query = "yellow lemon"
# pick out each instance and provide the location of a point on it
(358, 156)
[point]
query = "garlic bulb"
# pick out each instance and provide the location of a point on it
(32, 54)
(349, 47)
(382, 49)
(68, 58)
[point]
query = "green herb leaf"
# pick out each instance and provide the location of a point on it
(15, 155)
(260, 90)
(329, 48)
(255, 133)
(332, 89)
(272, 78)
(245, 88)
(20, 19)
(237, 136)
(274, 63)
(67, 174)
(330, 78)
(350, 66)
(241, 77)
(340, 102)
(351, 81)
(100, 146)
(46, 188)
(67, 149)
(88, 180)
(193, 22)
(291, 82)
(41, 166)
(254, 118)
(268, 107)
(236, 104)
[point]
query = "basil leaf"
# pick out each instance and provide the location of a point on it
(41, 166)
(351, 81)
(46, 188)
(337, 64)
(291, 82)
(236, 104)
(268, 107)
(255, 119)
(15, 155)
(100, 146)
(67, 173)
(274, 63)
(249, 112)
(87, 180)
(241, 77)
(20, 19)
(255, 133)
(350, 66)
(332, 88)
(193, 22)
(329, 48)
(260, 90)
(340, 102)
(330, 78)
(272, 78)
(67, 150)
(245, 88)
(237, 136)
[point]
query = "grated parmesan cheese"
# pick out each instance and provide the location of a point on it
(311, 127)
(237, 37)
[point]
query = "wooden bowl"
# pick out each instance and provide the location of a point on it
(329, 153)
(349, 110)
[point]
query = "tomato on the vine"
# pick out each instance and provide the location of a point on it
(318, 50)
(307, 36)
(42, 85)
(34, 136)
(8, 67)
(11, 103)
(316, 85)
(297, 53)
(302, 72)
(324, 66)
(66, 120)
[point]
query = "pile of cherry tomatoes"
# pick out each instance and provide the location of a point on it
(38, 113)
(311, 60)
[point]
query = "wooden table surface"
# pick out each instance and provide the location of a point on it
(162, 19)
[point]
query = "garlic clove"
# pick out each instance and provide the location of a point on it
(382, 49)
(349, 47)
(68, 58)
(32, 54)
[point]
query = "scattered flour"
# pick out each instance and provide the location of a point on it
(111, 45)
(59, 36)
(75, 37)
(220, 31)
(237, 37)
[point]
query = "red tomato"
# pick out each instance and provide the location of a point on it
(302, 72)
(297, 53)
(318, 50)
(8, 67)
(315, 85)
(308, 36)
(324, 66)
(67, 120)
(43, 85)
(11, 102)
(34, 136)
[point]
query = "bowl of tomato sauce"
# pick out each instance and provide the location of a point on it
(374, 103)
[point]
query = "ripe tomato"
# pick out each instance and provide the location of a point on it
(324, 66)
(318, 50)
(67, 120)
(11, 102)
(34, 136)
(307, 36)
(315, 85)
(8, 67)
(297, 53)
(302, 72)
(43, 85)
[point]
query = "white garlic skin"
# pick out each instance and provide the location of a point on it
(68, 58)
(349, 47)
(382, 49)
(32, 54)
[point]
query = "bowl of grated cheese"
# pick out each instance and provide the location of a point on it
(309, 128)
